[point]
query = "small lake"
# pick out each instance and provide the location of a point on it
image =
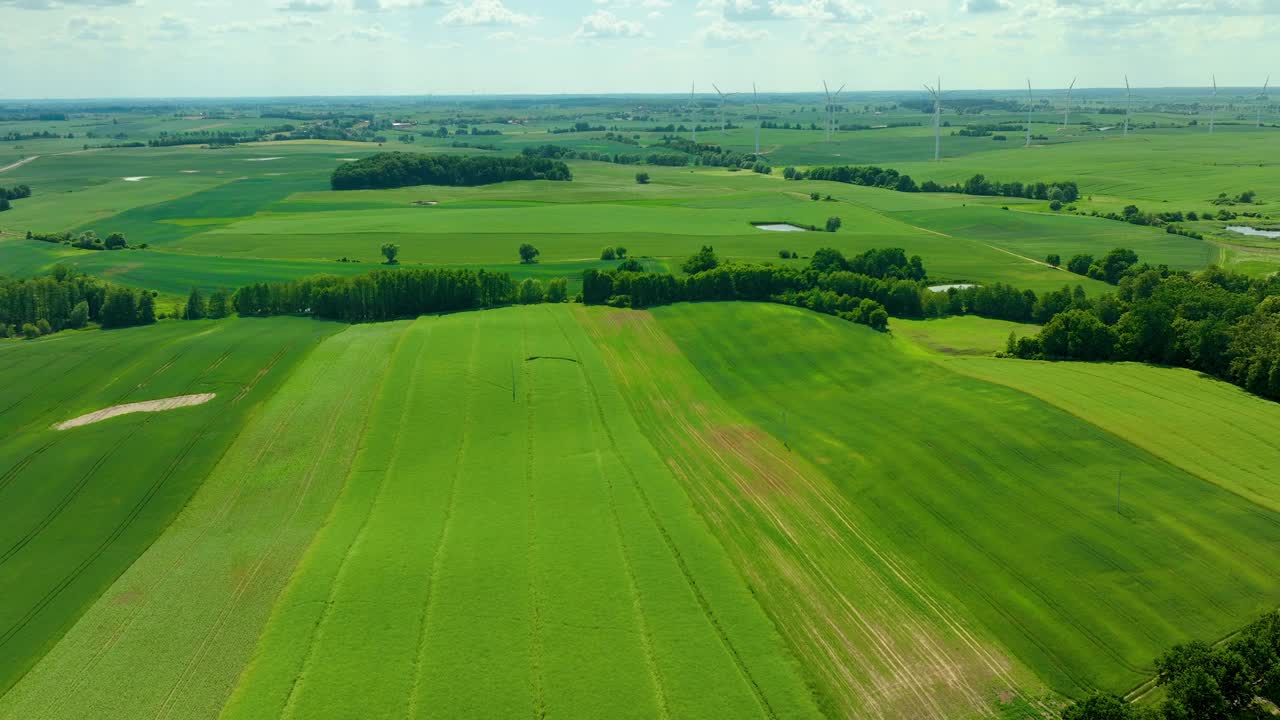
(780, 227)
(1243, 230)
(944, 288)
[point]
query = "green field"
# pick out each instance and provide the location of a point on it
(701, 510)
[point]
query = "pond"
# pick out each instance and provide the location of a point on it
(780, 227)
(944, 288)
(1244, 230)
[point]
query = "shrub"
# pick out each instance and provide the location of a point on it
(530, 292)
(30, 331)
(608, 254)
(833, 224)
(1054, 259)
(557, 290)
(79, 316)
(642, 178)
(1055, 205)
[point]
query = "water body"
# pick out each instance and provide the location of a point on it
(944, 288)
(780, 227)
(1245, 230)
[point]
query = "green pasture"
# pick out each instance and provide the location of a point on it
(961, 334)
(944, 469)
(508, 544)
(80, 505)
(170, 635)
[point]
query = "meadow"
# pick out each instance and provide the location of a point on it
(698, 510)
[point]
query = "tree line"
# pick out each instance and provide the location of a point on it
(64, 300)
(17, 192)
(890, 179)
(1203, 682)
(396, 169)
(1217, 322)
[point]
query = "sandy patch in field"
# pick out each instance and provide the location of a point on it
(280, 157)
(348, 159)
(189, 172)
(172, 403)
(136, 178)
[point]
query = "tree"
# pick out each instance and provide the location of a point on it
(119, 308)
(785, 254)
(528, 254)
(391, 251)
(146, 309)
(608, 254)
(642, 178)
(1099, 706)
(557, 290)
(833, 224)
(1079, 335)
(530, 292)
(116, 241)
(30, 331)
(4, 204)
(1079, 264)
(827, 260)
(79, 316)
(1055, 205)
(218, 305)
(1054, 259)
(815, 196)
(705, 259)
(789, 173)
(622, 252)
(194, 309)
(630, 265)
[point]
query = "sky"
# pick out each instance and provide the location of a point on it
(221, 48)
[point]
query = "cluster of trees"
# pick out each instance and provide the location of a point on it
(1110, 268)
(559, 152)
(396, 169)
(707, 154)
(64, 300)
(890, 179)
(379, 295)
(577, 128)
(1220, 323)
(613, 253)
(15, 136)
(87, 240)
(17, 192)
(1204, 682)
(197, 307)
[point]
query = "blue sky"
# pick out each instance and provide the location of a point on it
(155, 48)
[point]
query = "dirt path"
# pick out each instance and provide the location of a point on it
(19, 164)
(172, 403)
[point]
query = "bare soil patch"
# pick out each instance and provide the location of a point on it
(162, 405)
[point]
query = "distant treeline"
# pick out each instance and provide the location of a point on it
(17, 192)
(65, 299)
(1220, 323)
(560, 152)
(890, 179)
(1204, 682)
(396, 169)
(379, 295)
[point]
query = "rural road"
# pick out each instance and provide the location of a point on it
(19, 164)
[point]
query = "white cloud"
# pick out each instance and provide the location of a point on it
(984, 6)
(55, 4)
(721, 33)
(484, 13)
(390, 5)
(371, 33)
(276, 23)
(604, 24)
(98, 29)
(913, 18)
(172, 27)
(306, 6)
(831, 10)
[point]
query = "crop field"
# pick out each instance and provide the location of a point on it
(702, 509)
(80, 505)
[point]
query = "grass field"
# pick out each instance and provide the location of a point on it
(1087, 596)
(80, 506)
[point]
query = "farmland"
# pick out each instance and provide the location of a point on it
(673, 510)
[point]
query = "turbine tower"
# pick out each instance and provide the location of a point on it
(1066, 116)
(831, 107)
(693, 108)
(1128, 108)
(1262, 99)
(755, 98)
(723, 98)
(1030, 108)
(1213, 105)
(936, 93)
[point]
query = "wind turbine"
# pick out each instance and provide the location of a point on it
(693, 108)
(936, 93)
(1262, 99)
(831, 108)
(1066, 116)
(1030, 108)
(723, 98)
(1213, 105)
(755, 98)
(1128, 108)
